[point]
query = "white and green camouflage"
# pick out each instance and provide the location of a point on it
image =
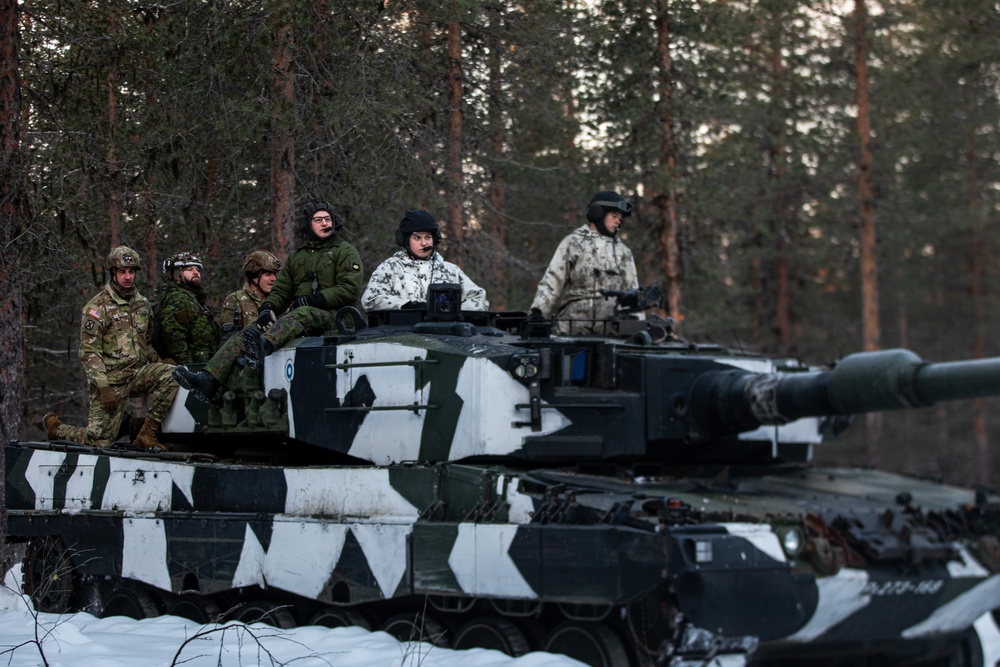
(401, 279)
(584, 263)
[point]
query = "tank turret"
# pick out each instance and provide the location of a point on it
(448, 387)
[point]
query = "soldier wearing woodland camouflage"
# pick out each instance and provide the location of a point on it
(589, 259)
(318, 279)
(187, 330)
(260, 268)
(403, 279)
(119, 361)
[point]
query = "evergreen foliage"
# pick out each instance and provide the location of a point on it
(155, 125)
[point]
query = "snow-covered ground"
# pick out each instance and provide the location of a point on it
(78, 640)
(82, 640)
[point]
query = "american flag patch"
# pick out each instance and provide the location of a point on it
(96, 314)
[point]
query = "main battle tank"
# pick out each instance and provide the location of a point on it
(470, 479)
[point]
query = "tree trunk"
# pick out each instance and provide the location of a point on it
(870, 333)
(666, 196)
(114, 195)
(283, 143)
(12, 344)
(453, 151)
(497, 188)
(980, 433)
(782, 218)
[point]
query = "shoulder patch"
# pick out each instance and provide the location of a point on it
(356, 266)
(93, 312)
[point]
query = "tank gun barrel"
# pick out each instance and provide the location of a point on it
(737, 400)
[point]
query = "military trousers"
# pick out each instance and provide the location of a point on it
(153, 380)
(302, 321)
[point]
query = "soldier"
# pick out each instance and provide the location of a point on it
(186, 328)
(319, 278)
(119, 361)
(260, 268)
(403, 279)
(589, 259)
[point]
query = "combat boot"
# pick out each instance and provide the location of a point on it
(51, 423)
(201, 384)
(147, 437)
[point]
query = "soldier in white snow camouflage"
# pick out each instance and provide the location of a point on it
(403, 279)
(589, 259)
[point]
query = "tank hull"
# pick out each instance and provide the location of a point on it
(673, 567)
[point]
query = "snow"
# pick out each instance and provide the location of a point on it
(72, 640)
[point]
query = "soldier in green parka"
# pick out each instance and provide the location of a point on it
(320, 277)
(186, 329)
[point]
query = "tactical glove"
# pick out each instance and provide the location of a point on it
(108, 398)
(265, 317)
(415, 305)
(313, 300)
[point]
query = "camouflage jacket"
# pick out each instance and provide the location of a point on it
(115, 337)
(401, 279)
(240, 307)
(584, 263)
(332, 268)
(187, 329)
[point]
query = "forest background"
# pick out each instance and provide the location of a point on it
(811, 178)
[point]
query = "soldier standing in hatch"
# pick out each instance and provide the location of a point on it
(589, 259)
(119, 361)
(320, 277)
(186, 328)
(403, 279)
(260, 269)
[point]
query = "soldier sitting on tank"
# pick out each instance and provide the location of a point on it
(319, 278)
(119, 361)
(402, 279)
(260, 270)
(186, 328)
(589, 259)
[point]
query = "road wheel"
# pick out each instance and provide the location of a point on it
(264, 612)
(48, 575)
(332, 617)
(134, 604)
(417, 627)
(195, 608)
(592, 643)
(494, 633)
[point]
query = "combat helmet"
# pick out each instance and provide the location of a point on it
(181, 260)
(123, 257)
(260, 260)
(605, 201)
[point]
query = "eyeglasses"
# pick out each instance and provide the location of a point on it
(322, 218)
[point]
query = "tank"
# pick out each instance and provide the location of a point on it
(472, 480)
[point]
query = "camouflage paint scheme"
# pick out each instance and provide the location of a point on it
(586, 478)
